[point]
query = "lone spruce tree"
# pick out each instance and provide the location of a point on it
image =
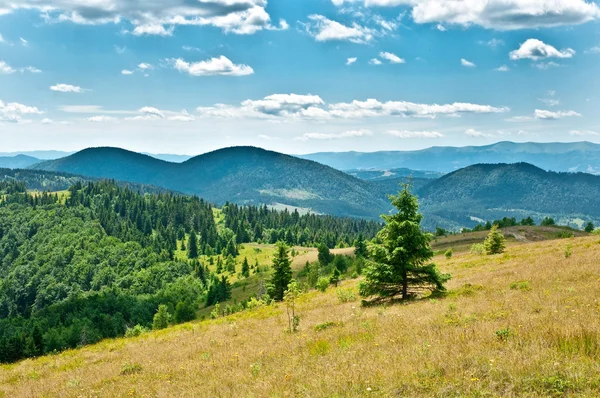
(282, 272)
(495, 242)
(193, 245)
(399, 261)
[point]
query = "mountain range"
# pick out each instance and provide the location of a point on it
(248, 175)
(577, 156)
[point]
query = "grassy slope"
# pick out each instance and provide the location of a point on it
(442, 347)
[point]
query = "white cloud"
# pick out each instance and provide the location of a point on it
(6, 69)
(546, 65)
(312, 107)
(150, 111)
(415, 134)
(324, 29)
(593, 50)
(441, 27)
(549, 115)
(101, 119)
(153, 30)
(1, 37)
(466, 63)
(492, 43)
(182, 117)
(374, 61)
(536, 49)
(550, 101)
(145, 66)
(335, 136)
(13, 112)
(126, 72)
(50, 121)
(502, 68)
(393, 58)
(351, 60)
(582, 133)
(153, 17)
(494, 14)
(30, 69)
(214, 66)
(67, 88)
(23, 41)
(477, 134)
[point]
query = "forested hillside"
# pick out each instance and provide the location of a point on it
(87, 264)
(17, 162)
(243, 175)
(489, 191)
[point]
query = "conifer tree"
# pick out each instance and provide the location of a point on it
(245, 268)
(360, 247)
(282, 272)
(193, 245)
(230, 264)
(589, 227)
(399, 261)
(495, 242)
(219, 265)
(161, 318)
(335, 277)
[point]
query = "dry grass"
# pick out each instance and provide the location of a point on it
(525, 323)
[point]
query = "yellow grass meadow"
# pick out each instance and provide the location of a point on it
(525, 323)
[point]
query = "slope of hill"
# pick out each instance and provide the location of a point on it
(17, 162)
(245, 175)
(521, 324)
(377, 174)
(577, 156)
(491, 191)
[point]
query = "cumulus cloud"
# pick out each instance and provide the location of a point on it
(6, 69)
(312, 107)
(101, 119)
(126, 72)
(67, 88)
(13, 112)
(549, 115)
(466, 63)
(324, 29)
(502, 68)
(375, 61)
(415, 134)
(494, 14)
(391, 57)
(536, 49)
(477, 134)
(593, 50)
(335, 136)
(351, 60)
(155, 17)
(582, 133)
(214, 66)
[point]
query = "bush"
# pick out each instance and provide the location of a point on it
(521, 285)
(448, 254)
(323, 283)
(129, 369)
(478, 248)
(504, 334)
(184, 312)
(568, 251)
(135, 331)
(345, 295)
(326, 325)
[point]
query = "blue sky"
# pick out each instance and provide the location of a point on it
(297, 76)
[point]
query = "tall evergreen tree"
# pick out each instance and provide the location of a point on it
(282, 272)
(193, 245)
(245, 268)
(360, 247)
(589, 227)
(399, 259)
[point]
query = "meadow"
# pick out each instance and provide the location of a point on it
(524, 323)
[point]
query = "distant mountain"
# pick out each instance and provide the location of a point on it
(244, 175)
(17, 162)
(43, 155)
(378, 174)
(168, 157)
(493, 191)
(578, 156)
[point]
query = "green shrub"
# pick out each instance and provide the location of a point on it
(495, 242)
(323, 283)
(568, 250)
(327, 325)
(521, 285)
(161, 318)
(504, 334)
(129, 369)
(135, 331)
(448, 254)
(345, 295)
(478, 248)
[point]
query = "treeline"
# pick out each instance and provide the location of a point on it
(261, 224)
(507, 222)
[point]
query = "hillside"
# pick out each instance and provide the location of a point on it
(244, 175)
(577, 156)
(378, 174)
(488, 191)
(17, 162)
(525, 323)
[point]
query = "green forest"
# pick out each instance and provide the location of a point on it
(98, 259)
